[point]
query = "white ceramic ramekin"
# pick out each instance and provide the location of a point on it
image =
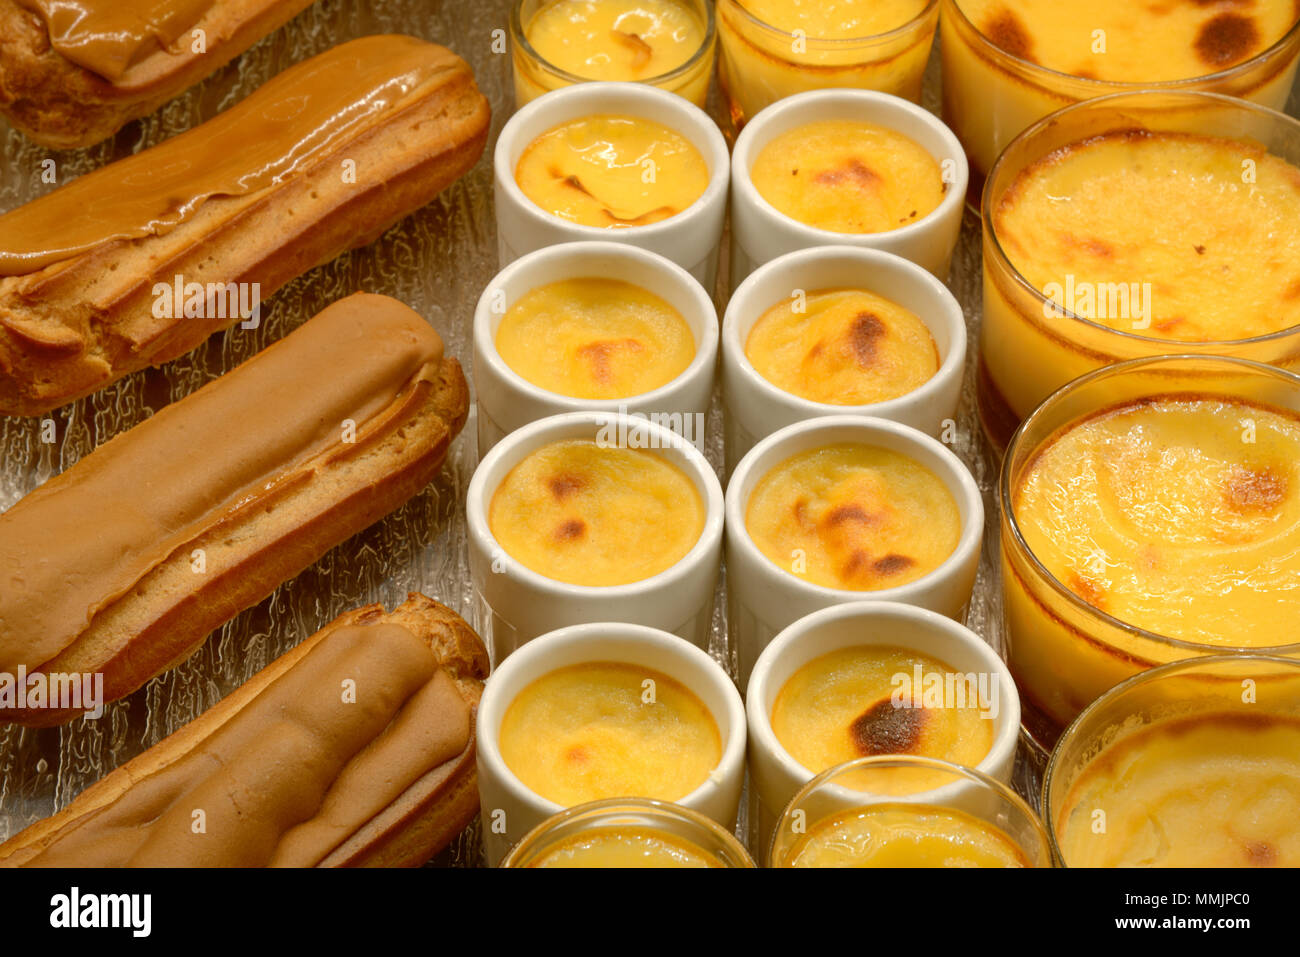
(522, 604)
(507, 401)
(775, 776)
(759, 233)
(510, 810)
(689, 239)
(763, 598)
(756, 407)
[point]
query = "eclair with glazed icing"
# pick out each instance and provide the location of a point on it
(124, 563)
(321, 159)
(356, 748)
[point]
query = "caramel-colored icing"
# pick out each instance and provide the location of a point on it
(286, 125)
(150, 490)
(295, 772)
(108, 37)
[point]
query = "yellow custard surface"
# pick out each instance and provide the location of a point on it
(905, 835)
(847, 176)
(853, 516)
(1119, 40)
(1211, 224)
(842, 347)
(612, 171)
(864, 701)
(1180, 515)
(605, 730)
(586, 515)
(1210, 791)
(615, 39)
(626, 847)
(593, 338)
(835, 19)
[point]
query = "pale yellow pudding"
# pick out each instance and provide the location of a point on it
(842, 347)
(864, 701)
(579, 513)
(593, 338)
(771, 49)
(626, 847)
(847, 176)
(904, 835)
(1210, 791)
(603, 729)
(612, 172)
(853, 516)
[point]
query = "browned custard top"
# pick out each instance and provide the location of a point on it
(149, 491)
(291, 121)
(108, 37)
(295, 772)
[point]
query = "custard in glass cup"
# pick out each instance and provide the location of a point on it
(1149, 512)
(1192, 764)
(1136, 225)
(771, 49)
(664, 43)
(1009, 63)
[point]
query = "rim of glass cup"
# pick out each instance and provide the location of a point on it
(832, 42)
(1003, 261)
(705, 48)
(1161, 86)
(914, 761)
(650, 807)
(1008, 513)
(1149, 675)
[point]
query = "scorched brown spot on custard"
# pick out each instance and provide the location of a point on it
(886, 729)
(1006, 31)
(892, 565)
(1255, 490)
(864, 334)
(1227, 39)
(598, 355)
(564, 485)
(570, 530)
(853, 171)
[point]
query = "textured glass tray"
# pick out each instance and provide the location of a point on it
(438, 261)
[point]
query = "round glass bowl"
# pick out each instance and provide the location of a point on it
(925, 791)
(1063, 651)
(1029, 347)
(1200, 795)
(759, 64)
(534, 75)
(989, 95)
(670, 823)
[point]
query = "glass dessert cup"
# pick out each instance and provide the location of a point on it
(534, 75)
(1063, 652)
(759, 64)
(672, 821)
(1029, 348)
(1210, 693)
(925, 785)
(989, 95)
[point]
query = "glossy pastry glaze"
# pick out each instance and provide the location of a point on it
(293, 774)
(263, 424)
(282, 128)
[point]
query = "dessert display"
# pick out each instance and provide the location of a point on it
(905, 835)
(74, 73)
(853, 517)
(1154, 528)
(846, 176)
(851, 704)
(138, 262)
(576, 512)
(612, 172)
(667, 43)
(1008, 63)
(597, 730)
(288, 772)
(594, 338)
(770, 49)
(205, 508)
(842, 347)
(1136, 242)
